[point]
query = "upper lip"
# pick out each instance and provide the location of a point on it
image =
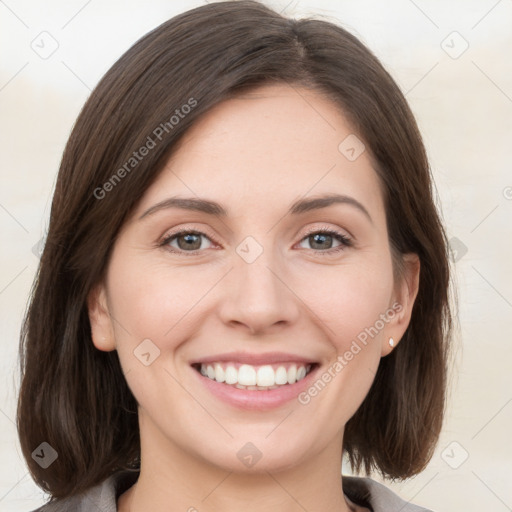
(254, 359)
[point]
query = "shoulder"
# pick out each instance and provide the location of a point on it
(375, 496)
(100, 497)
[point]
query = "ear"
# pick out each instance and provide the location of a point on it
(99, 317)
(403, 301)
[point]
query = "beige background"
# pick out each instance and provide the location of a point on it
(463, 103)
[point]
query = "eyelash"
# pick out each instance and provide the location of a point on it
(345, 241)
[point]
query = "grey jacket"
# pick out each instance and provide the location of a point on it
(102, 498)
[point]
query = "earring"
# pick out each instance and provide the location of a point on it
(391, 342)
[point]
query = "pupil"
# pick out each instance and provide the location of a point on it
(320, 238)
(190, 239)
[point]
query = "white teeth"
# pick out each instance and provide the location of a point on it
(281, 376)
(255, 377)
(265, 376)
(231, 375)
(246, 375)
(219, 373)
(292, 374)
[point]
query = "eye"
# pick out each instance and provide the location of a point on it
(322, 239)
(186, 240)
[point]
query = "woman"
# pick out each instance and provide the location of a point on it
(245, 277)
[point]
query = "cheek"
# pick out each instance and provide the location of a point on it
(156, 303)
(151, 301)
(349, 298)
(349, 305)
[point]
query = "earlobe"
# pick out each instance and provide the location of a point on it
(405, 296)
(101, 325)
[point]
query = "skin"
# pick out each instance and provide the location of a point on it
(255, 155)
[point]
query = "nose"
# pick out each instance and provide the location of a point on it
(258, 297)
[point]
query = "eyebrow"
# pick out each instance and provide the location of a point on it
(213, 208)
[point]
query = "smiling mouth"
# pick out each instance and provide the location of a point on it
(255, 377)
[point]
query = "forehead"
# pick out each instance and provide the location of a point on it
(277, 143)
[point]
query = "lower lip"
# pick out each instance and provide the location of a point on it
(253, 399)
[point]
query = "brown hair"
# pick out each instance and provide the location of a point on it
(74, 396)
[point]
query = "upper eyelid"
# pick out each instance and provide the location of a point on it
(201, 231)
(204, 232)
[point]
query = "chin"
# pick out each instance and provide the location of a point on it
(252, 454)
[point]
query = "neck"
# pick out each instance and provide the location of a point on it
(173, 480)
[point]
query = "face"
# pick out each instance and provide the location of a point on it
(256, 290)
